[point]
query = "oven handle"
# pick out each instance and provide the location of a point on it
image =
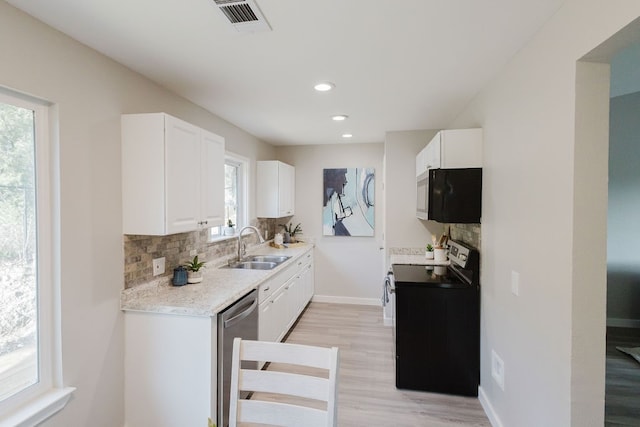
(389, 284)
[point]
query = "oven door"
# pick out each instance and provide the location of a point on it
(422, 195)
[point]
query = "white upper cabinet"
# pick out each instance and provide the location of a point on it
(172, 175)
(275, 189)
(449, 149)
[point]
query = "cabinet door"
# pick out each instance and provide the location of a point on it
(275, 189)
(433, 152)
(308, 284)
(421, 161)
(280, 313)
(295, 298)
(286, 189)
(212, 180)
(266, 322)
(182, 179)
(267, 198)
(461, 148)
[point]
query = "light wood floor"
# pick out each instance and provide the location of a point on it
(367, 393)
(622, 396)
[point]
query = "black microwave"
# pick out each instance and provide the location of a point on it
(451, 196)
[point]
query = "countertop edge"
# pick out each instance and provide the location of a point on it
(414, 260)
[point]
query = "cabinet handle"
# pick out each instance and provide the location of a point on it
(300, 263)
(266, 289)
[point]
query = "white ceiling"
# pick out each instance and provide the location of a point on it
(397, 65)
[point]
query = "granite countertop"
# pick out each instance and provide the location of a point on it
(219, 288)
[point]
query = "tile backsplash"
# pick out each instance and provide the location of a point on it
(139, 251)
(466, 233)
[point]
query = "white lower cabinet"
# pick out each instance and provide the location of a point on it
(171, 361)
(170, 370)
(283, 299)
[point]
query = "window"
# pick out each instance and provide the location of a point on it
(29, 350)
(235, 196)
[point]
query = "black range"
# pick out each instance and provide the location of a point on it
(437, 324)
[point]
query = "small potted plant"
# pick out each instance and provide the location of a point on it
(290, 232)
(194, 275)
(229, 230)
(429, 251)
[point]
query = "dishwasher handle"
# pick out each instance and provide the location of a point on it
(246, 310)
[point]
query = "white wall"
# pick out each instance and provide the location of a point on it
(402, 228)
(623, 256)
(91, 92)
(544, 216)
(348, 269)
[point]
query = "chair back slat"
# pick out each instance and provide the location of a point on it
(297, 385)
(285, 383)
(297, 354)
(280, 414)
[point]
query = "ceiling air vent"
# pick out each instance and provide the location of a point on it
(245, 16)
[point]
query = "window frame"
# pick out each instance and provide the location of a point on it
(242, 163)
(39, 401)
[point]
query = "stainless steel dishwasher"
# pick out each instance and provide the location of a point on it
(237, 320)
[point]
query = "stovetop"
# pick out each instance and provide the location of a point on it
(435, 276)
(463, 272)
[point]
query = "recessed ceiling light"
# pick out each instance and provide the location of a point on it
(347, 135)
(324, 86)
(339, 117)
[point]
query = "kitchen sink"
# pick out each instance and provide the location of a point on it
(269, 258)
(260, 262)
(254, 265)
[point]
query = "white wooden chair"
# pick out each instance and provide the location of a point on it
(283, 383)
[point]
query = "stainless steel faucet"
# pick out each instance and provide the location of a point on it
(242, 247)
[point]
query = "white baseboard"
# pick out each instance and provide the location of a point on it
(347, 300)
(488, 408)
(623, 323)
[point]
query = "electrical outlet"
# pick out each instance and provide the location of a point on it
(497, 369)
(158, 266)
(515, 283)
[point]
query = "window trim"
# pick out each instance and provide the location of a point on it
(43, 399)
(243, 187)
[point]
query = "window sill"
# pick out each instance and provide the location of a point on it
(217, 239)
(39, 409)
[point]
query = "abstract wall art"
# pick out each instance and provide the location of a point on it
(348, 202)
